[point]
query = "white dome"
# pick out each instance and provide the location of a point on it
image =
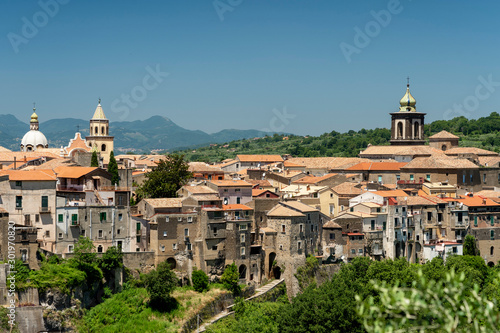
(35, 139)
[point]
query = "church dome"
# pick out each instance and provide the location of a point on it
(32, 140)
(407, 102)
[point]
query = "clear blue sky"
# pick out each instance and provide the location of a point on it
(263, 55)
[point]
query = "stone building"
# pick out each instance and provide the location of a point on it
(232, 191)
(443, 140)
(99, 138)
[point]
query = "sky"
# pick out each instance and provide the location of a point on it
(302, 67)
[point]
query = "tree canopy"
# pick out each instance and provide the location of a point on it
(113, 169)
(164, 181)
(94, 162)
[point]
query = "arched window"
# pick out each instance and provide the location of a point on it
(99, 249)
(102, 130)
(107, 130)
(443, 147)
(103, 147)
(416, 130)
(96, 130)
(492, 249)
(400, 130)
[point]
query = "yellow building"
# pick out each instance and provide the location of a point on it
(99, 138)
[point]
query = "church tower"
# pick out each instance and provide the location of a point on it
(99, 138)
(407, 125)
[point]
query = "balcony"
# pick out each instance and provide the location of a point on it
(45, 210)
(71, 188)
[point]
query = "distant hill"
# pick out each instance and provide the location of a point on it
(140, 135)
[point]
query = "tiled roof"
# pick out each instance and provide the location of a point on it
(260, 182)
(470, 150)
(390, 194)
(236, 207)
(280, 210)
(199, 189)
(203, 167)
(488, 194)
(489, 161)
(52, 164)
(290, 164)
(299, 206)
(260, 158)
(29, 175)
(344, 213)
(256, 192)
(313, 179)
(478, 201)
(377, 166)
(267, 230)
(331, 225)
(20, 155)
(206, 197)
(73, 171)
(327, 163)
(415, 201)
(165, 202)
(347, 188)
(433, 162)
(400, 150)
(234, 182)
(443, 135)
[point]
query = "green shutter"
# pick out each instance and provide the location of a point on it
(492, 220)
(60, 217)
(475, 221)
(74, 217)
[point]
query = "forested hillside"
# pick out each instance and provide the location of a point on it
(481, 133)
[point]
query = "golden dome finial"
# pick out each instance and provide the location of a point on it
(407, 103)
(34, 116)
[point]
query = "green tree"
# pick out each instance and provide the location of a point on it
(85, 259)
(94, 162)
(230, 279)
(111, 260)
(160, 283)
(200, 280)
(164, 181)
(113, 169)
(470, 248)
(429, 306)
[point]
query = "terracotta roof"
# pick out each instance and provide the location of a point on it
(8, 156)
(347, 188)
(390, 194)
(299, 206)
(489, 161)
(470, 150)
(280, 210)
(257, 192)
(206, 197)
(400, 150)
(201, 189)
(52, 164)
(434, 198)
(29, 175)
(443, 135)
(355, 234)
(225, 164)
(17, 164)
(357, 214)
(203, 167)
(313, 179)
(165, 202)
(331, 225)
(377, 166)
(236, 207)
(433, 162)
(488, 194)
(73, 171)
(327, 163)
(260, 158)
(290, 164)
(370, 204)
(478, 201)
(415, 201)
(227, 183)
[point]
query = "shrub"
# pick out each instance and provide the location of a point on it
(230, 279)
(200, 280)
(160, 283)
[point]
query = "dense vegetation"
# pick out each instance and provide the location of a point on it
(385, 296)
(482, 133)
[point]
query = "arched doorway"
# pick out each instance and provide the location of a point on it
(491, 264)
(277, 272)
(243, 272)
(272, 258)
(172, 263)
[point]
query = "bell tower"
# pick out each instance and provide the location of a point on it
(407, 125)
(99, 138)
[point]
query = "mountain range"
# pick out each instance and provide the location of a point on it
(155, 133)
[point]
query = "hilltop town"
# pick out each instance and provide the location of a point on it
(264, 213)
